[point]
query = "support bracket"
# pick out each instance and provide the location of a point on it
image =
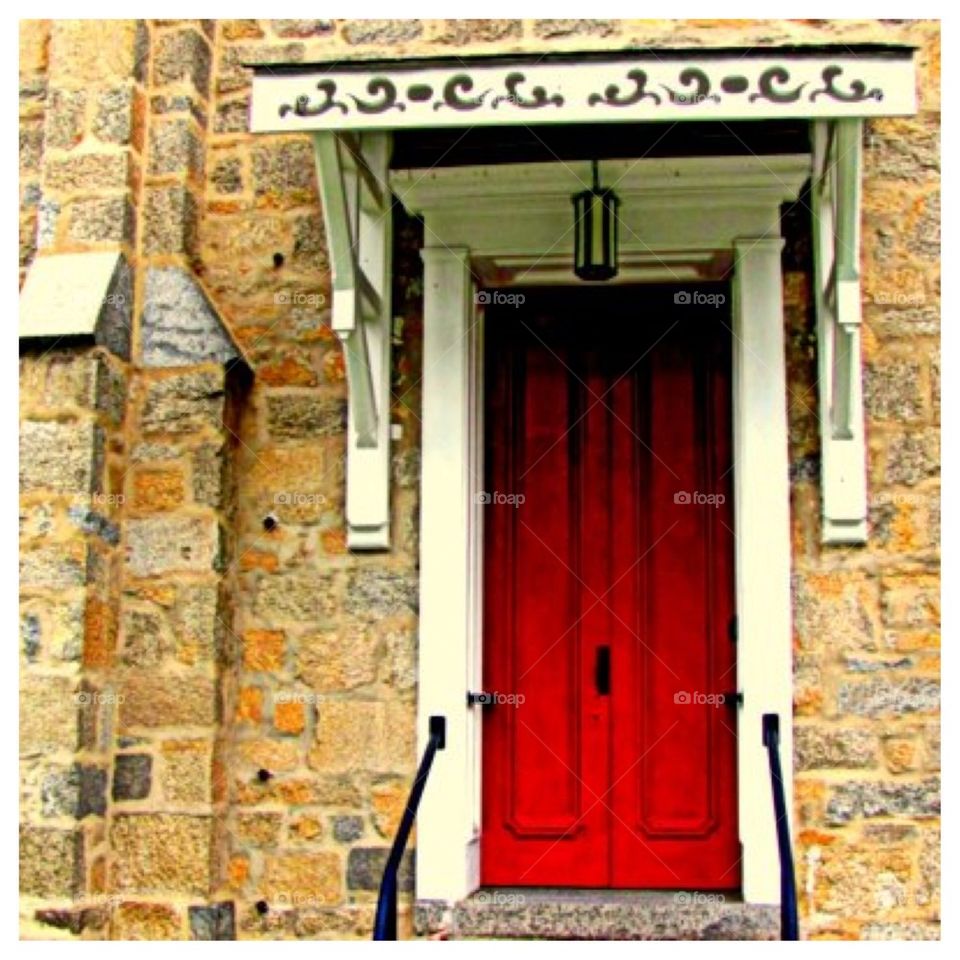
(835, 199)
(354, 191)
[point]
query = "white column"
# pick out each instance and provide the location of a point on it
(762, 505)
(447, 862)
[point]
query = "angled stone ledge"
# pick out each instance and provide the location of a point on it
(180, 327)
(87, 296)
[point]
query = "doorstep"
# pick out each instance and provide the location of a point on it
(563, 914)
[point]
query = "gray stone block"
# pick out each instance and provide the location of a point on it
(180, 326)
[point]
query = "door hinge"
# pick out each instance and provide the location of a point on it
(733, 629)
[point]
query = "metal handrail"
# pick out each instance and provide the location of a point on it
(789, 926)
(385, 924)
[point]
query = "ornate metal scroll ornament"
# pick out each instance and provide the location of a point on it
(382, 87)
(858, 89)
(701, 93)
(458, 84)
(539, 97)
(302, 107)
(767, 87)
(612, 97)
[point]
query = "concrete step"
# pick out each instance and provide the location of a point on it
(563, 914)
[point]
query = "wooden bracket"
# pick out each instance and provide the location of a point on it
(355, 194)
(835, 199)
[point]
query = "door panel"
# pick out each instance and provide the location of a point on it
(604, 408)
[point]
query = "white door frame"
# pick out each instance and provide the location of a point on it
(683, 219)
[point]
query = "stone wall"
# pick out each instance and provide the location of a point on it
(252, 739)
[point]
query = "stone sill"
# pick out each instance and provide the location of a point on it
(565, 914)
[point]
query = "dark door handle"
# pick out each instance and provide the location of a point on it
(602, 671)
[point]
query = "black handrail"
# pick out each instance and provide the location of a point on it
(789, 926)
(385, 925)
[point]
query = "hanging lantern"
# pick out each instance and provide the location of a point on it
(595, 245)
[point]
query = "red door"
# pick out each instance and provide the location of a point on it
(608, 754)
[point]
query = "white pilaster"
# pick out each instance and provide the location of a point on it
(762, 505)
(447, 862)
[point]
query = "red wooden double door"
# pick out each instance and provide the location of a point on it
(609, 754)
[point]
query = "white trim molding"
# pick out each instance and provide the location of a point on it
(762, 513)
(758, 83)
(835, 200)
(355, 195)
(448, 863)
(664, 206)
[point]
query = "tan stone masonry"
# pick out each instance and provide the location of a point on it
(218, 700)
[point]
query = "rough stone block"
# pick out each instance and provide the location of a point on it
(184, 403)
(213, 922)
(838, 610)
(64, 118)
(51, 862)
(180, 327)
(883, 798)
(347, 828)
(113, 119)
(363, 735)
(911, 600)
(338, 660)
(263, 650)
(179, 700)
(158, 545)
(88, 172)
(365, 869)
(289, 717)
(182, 56)
(306, 598)
(912, 457)
(170, 221)
(132, 776)
(303, 879)
(554, 29)
(302, 28)
(102, 219)
(276, 756)
(382, 32)
(188, 772)
(817, 748)
(460, 32)
(175, 149)
(53, 628)
(878, 697)
(157, 489)
(259, 829)
(162, 853)
(56, 567)
(892, 390)
(60, 457)
(75, 791)
(373, 592)
(49, 709)
(284, 171)
(197, 622)
(147, 921)
(865, 882)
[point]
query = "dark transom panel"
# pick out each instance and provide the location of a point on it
(466, 146)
